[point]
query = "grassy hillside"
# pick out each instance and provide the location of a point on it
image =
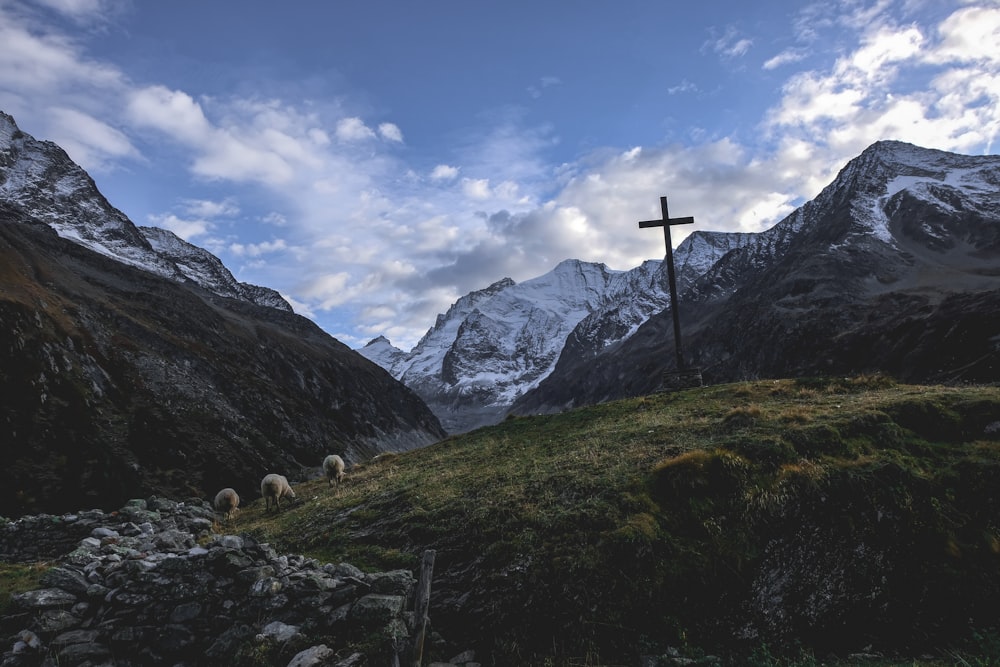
(795, 517)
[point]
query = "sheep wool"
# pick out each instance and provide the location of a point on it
(227, 503)
(274, 487)
(333, 467)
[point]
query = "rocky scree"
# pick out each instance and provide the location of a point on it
(151, 584)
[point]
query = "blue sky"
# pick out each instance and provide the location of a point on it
(375, 160)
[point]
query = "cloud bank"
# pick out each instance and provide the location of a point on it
(368, 240)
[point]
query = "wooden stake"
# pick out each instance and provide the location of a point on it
(421, 604)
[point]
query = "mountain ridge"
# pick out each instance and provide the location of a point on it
(39, 177)
(120, 381)
(895, 219)
(894, 267)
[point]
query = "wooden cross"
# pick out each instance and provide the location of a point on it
(666, 222)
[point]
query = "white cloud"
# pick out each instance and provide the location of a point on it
(786, 57)
(353, 129)
(230, 157)
(173, 112)
(885, 47)
(377, 244)
(868, 94)
(444, 172)
(390, 132)
(80, 9)
(258, 249)
(275, 218)
(476, 188)
(684, 86)
(969, 35)
(205, 208)
(42, 69)
(92, 143)
(186, 229)
(730, 44)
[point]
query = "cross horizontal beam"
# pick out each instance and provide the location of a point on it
(670, 221)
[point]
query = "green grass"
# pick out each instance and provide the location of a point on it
(18, 578)
(641, 524)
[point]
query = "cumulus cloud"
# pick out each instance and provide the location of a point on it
(476, 188)
(353, 129)
(868, 94)
(390, 132)
(444, 172)
(258, 249)
(330, 213)
(92, 143)
(173, 112)
(187, 229)
(971, 34)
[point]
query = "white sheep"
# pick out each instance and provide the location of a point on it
(333, 466)
(227, 502)
(275, 487)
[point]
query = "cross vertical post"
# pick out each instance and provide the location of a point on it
(666, 223)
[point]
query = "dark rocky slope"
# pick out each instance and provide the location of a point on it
(118, 383)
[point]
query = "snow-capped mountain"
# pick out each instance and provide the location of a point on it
(893, 268)
(133, 364)
(494, 344)
(898, 220)
(38, 176)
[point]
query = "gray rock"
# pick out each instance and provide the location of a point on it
(315, 656)
(184, 613)
(44, 598)
(230, 541)
(70, 580)
(464, 657)
(154, 598)
(279, 632)
(76, 637)
(55, 621)
(347, 570)
(395, 582)
(375, 608)
(265, 587)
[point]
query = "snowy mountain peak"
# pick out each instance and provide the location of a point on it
(39, 178)
(493, 344)
(889, 171)
(891, 203)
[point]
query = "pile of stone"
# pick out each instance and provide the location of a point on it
(151, 584)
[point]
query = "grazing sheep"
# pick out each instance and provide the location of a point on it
(333, 466)
(227, 502)
(275, 487)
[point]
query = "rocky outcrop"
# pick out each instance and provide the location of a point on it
(151, 584)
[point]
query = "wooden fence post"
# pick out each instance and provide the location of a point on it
(421, 602)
